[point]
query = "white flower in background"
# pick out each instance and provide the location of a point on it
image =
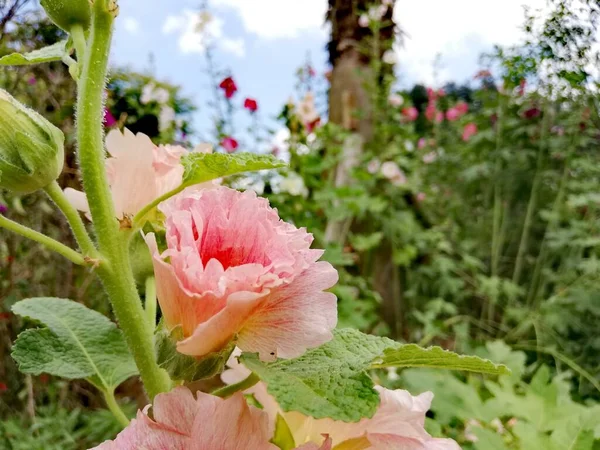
(293, 184)
(389, 57)
(373, 166)
(307, 112)
(469, 435)
(388, 2)
(497, 424)
(409, 146)
(395, 100)
(377, 12)
(302, 149)
(429, 157)
(250, 183)
(392, 172)
(393, 374)
(166, 118)
(152, 93)
(363, 21)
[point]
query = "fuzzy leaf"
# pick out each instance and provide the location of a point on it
(411, 355)
(77, 343)
(202, 167)
(53, 52)
(184, 367)
(328, 381)
(331, 381)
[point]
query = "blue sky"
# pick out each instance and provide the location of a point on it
(263, 42)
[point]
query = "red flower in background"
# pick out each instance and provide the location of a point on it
(109, 119)
(469, 131)
(228, 86)
(4, 315)
(411, 114)
(3, 387)
(532, 113)
(250, 104)
(229, 144)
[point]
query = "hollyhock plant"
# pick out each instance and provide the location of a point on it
(229, 87)
(251, 105)
(229, 144)
(411, 114)
(234, 270)
(182, 422)
(431, 111)
(469, 131)
(397, 424)
(462, 108)
(138, 172)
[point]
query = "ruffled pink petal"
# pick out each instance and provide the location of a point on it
(293, 317)
(327, 443)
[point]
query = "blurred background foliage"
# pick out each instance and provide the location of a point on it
(464, 216)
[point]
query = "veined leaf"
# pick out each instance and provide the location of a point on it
(54, 52)
(332, 380)
(202, 167)
(77, 343)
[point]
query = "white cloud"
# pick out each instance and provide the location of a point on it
(196, 32)
(459, 31)
(273, 19)
(131, 25)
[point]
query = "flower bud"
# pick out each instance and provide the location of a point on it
(31, 148)
(67, 13)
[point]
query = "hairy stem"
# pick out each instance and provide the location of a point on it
(117, 276)
(151, 301)
(73, 217)
(61, 249)
(115, 409)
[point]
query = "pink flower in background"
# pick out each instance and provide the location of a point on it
(109, 119)
(229, 87)
(363, 21)
(180, 422)
(431, 94)
(421, 196)
(429, 157)
(521, 88)
(469, 131)
(250, 104)
(422, 143)
(234, 270)
(373, 166)
(229, 144)
(397, 424)
(32, 81)
(431, 111)
(3, 209)
(307, 112)
(452, 114)
(411, 114)
(395, 100)
(462, 108)
(311, 71)
(392, 172)
(439, 117)
(138, 172)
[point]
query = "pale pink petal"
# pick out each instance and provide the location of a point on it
(327, 443)
(294, 317)
(77, 199)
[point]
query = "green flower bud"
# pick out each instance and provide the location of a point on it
(66, 13)
(31, 148)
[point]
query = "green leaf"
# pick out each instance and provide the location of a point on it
(202, 167)
(328, 381)
(184, 367)
(54, 52)
(331, 381)
(411, 355)
(77, 343)
(283, 437)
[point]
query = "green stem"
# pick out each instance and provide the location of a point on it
(61, 249)
(117, 275)
(82, 237)
(139, 217)
(246, 383)
(151, 301)
(115, 409)
(535, 188)
(78, 36)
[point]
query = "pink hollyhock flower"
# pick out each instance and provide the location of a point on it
(234, 270)
(469, 131)
(109, 119)
(392, 172)
(395, 100)
(431, 111)
(422, 143)
(181, 422)
(250, 104)
(421, 196)
(439, 117)
(462, 108)
(229, 144)
(32, 81)
(453, 114)
(411, 114)
(229, 87)
(430, 157)
(138, 172)
(307, 112)
(397, 424)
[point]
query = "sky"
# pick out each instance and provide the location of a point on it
(263, 42)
